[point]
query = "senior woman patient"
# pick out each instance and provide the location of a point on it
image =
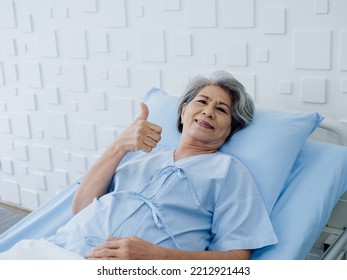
(191, 202)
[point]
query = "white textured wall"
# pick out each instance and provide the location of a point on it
(71, 71)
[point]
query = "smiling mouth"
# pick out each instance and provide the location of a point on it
(204, 124)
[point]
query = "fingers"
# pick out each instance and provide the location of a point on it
(141, 135)
(147, 136)
(104, 254)
(107, 250)
(154, 135)
(148, 133)
(147, 145)
(113, 248)
(144, 116)
(144, 111)
(128, 248)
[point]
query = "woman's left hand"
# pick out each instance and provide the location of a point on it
(134, 248)
(130, 248)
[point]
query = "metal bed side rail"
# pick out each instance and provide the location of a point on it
(336, 127)
(338, 249)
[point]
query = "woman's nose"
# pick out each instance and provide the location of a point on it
(208, 112)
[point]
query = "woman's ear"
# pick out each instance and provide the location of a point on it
(184, 105)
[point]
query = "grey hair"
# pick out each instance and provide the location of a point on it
(242, 103)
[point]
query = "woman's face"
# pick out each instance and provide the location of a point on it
(207, 118)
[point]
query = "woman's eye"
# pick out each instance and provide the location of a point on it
(201, 101)
(221, 109)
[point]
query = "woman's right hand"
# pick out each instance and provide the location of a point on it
(140, 135)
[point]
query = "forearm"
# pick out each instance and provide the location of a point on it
(141, 135)
(98, 177)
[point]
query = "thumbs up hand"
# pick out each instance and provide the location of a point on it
(144, 112)
(140, 135)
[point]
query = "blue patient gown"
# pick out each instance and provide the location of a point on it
(203, 202)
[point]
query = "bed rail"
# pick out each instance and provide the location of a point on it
(337, 128)
(338, 250)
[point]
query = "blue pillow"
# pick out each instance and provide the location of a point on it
(316, 182)
(268, 147)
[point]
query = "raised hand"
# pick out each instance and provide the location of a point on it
(141, 134)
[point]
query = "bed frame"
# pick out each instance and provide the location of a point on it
(337, 250)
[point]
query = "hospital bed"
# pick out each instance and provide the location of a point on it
(301, 180)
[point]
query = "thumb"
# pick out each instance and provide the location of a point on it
(144, 111)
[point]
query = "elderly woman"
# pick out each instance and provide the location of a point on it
(192, 202)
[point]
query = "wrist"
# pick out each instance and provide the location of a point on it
(165, 253)
(117, 149)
